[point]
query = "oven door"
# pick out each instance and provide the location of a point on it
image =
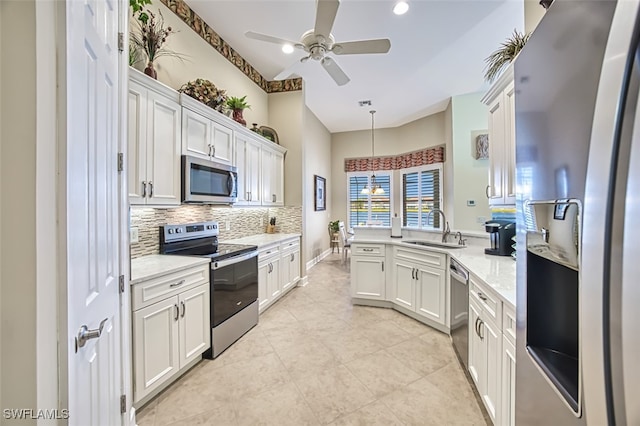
(207, 182)
(234, 285)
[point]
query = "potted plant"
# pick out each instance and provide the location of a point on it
(151, 38)
(237, 105)
(334, 226)
(502, 57)
(206, 92)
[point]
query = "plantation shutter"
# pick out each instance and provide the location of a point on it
(421, 193)
(358, 202)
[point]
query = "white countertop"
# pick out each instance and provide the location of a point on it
(498, 272)
(155, 265)
(261, 240)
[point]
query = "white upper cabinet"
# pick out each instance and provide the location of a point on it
(247, 160)
(502, 140)
(272, 177)
(206, 133)
(154, 142)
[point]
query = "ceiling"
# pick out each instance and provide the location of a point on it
(437, 51)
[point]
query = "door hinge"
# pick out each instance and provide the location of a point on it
(123, 404)
(121, 42)
(120, 161)
(121, 281)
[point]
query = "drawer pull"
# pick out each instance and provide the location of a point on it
(178, 284)
(482, 296)
(367, 249)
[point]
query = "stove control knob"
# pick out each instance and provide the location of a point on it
(170, 231)
(179, 230)
(209, 226)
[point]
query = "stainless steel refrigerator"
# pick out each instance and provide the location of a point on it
(578, 206)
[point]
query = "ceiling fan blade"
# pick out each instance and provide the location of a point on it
(270, 39)
(325, 15)
(334, 71)
(381, 45)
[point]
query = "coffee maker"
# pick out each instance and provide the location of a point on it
(500, 233)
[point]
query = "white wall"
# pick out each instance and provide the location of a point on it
(203, 61)
(533, 13)
(1, 223)
(419, 134)
(469, 174)
(17, 227)
(447, 186)
(317, 161)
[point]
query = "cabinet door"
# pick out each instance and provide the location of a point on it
(163, 151)
(222, 141)
(241, 162)
(294, 267)
(477, 353)
(430, 294)
(155, 346)
(509, 170)
(492, 340)
(274, 281)
(277, 179)
(496, 150)
(508, 402)
(285, 271)
(196, 134)
(404, 284)
(137, 144)
(254, 173)
(267, 161)
(263, 280)
(195, 328)
(368, 277)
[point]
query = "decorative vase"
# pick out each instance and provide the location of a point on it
(237, 116)
(150, 71)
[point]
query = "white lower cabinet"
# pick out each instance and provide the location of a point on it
(278, 271)
(419, 282)
(508, 402)
(170, 327)
(367, 276)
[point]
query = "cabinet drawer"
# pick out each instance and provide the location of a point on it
(268, 252)
(290, 245)
(368, 249)
(157, 289)
(491, 305)
(509, 323)
(435, 259)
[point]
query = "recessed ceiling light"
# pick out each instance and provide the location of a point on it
(401, 8)
(287, 48)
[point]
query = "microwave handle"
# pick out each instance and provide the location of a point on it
(231, 183)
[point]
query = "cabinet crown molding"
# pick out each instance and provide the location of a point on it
(499, 85)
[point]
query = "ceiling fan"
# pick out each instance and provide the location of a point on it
(319, 41)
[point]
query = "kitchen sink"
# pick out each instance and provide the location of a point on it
(434, 244)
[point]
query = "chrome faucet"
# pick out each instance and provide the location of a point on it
(461, 241)
(445, 227)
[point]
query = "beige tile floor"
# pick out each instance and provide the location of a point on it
(316, 359)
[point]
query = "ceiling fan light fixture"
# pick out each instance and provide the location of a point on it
(401, 8)
(287, 48)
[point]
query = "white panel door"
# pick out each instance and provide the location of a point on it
(492, 340)
(430, 294)
(137, 143)
(267, 162)
(195, 329)
(222, 151)
(368, 277)
(477, 353)
(155, 345)
(92, 211)
(277, 179)
(404, 285)
(196, 134)
(509, 170)
(163, 151)
(291, 264)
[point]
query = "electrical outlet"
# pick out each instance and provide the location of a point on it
(227, 225)
(481, 219)
(133, 235)
(471, 203)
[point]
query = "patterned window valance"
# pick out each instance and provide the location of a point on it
(396, 162)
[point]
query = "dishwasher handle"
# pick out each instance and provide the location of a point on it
(458, 271)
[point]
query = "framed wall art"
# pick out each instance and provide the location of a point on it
(320, 191)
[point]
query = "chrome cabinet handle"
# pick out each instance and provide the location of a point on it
(144, 189)
(248, 196)
(178, 284)
(480, 330)
(213, 148)
(177, 312)
(382, 266)
(150, 189)
(84, 334)
(209, 154)
(482, 296)
(273, 197)
(292, 257)
(476, 326)
(486, 191)
(184, 308)
(413, 273)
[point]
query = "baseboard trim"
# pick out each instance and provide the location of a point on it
(303, 281)
(318, 259)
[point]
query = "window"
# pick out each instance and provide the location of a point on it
(421, 193)
(365, 207)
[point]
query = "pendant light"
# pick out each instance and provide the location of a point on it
(375, 188)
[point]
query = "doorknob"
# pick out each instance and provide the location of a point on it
(84, 334)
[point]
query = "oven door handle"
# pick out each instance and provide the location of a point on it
(217, 264)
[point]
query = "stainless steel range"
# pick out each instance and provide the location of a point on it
(233, 279)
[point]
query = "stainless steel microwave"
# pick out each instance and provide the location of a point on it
(207, 182)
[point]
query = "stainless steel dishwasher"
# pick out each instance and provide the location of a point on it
(459, 312)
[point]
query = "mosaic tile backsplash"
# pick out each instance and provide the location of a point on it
(243, 222)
